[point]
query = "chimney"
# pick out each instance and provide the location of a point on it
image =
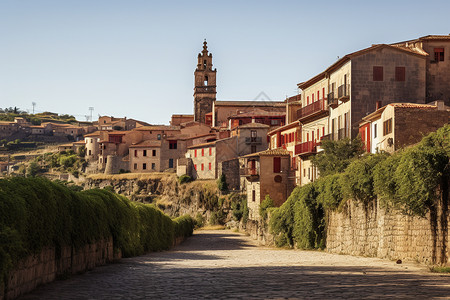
(378, 105)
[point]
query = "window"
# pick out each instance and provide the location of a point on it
(203, 152)
(374, 130)
(387, 126)
(253, 133)
(307, 100)
(209, 167)
(144, 166)
(439, 54)
(195, 153)
(135, 166)
(323, 130)
(144, 152)
(277, 164)
(153, 166)
(153, 152)
(205, 82)
(135, 153)
(158, 136)
(253, 195)
(309, 173)
(90, 152)
(377, 73)
(400, 74)
(323, 93)
(312, 98)
(253, 149)
(170, 163)
(274, 122)
(210, 151)
(318, 95)
(203, 167)
(294, 163)
(172, 144)
(195, 167)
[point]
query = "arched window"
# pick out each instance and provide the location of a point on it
(206, 80)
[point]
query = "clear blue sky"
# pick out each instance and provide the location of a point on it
(136, 58)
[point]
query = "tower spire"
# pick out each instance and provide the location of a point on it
(205, 85)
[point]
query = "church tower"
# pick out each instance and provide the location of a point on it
(205, 85)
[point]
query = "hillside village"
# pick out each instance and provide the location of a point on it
(390, 95)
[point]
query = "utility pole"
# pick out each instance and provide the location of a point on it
(91, 109)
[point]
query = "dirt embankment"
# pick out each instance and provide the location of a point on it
(175, 199)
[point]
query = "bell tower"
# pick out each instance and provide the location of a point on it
(205, 85)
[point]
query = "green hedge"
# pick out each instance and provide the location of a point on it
(35, 213)
(411, 180)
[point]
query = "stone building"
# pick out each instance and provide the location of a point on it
(205, 85)
(266, 173)
(334, 101)
(207, 157)
(398, 125)
(216, 113)
(437, 52)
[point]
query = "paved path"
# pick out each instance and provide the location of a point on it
(224, 264)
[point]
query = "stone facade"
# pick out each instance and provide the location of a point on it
(46, 266)
(374, 231)
(230, 168)
(205, 85)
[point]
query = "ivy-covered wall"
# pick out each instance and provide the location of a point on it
(373, 204)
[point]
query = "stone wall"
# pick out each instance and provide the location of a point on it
(51, 264)
(259, 231)
(373, 231)
(231, 170)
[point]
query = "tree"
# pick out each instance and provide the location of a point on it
(222, 183)
(337, 155)
(33, 169)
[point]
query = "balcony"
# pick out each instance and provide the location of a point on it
(332, 101)
(257, 140)
(312, 110)
(306, 148)
(344, 92)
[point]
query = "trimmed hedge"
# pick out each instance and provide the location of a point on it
(411, 180)
(36, 213)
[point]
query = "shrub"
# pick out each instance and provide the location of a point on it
(357, 180)
(184, 179)
(222, 183)
(239, 207)
(265, 204)
(37, 213)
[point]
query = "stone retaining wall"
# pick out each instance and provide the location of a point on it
(50, 264)
(374, 231)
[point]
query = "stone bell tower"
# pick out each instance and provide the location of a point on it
(205, 85)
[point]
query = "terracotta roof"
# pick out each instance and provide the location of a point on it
(249, 103)
(97, 133)
(157, 127)
(79, 142)
(253, 125)
(183, 116)
(349, 56)
(413, 105)
(287, 126)
(118, 132)
(376, 114)
(202, 145)
(146, 143)
(6, 123)
(259, 113)
(269, 152)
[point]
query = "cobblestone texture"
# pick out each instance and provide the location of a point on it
(223, 264)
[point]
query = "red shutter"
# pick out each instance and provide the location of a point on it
(210, 166)
(195, 154)
(400, 74)
(377, 73)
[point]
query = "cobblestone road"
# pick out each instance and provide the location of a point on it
(223, 264)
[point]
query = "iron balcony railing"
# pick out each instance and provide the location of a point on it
(332, 101)
(306, 148)
(343, 91)
(312, 109)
